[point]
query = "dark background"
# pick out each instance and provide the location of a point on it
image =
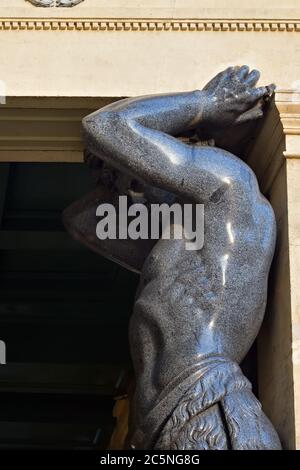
(63, 314)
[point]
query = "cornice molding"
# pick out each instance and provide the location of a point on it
(288, 106)
(156, 25)
(36, 138)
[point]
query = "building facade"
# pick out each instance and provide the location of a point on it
(62, 60)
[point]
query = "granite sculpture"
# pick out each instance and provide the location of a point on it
(196, 313)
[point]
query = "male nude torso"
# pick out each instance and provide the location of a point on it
(196, 312)
(194, 304)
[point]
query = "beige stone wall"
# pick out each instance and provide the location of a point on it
(167, 8)
(293, 178)
(275, 366)
(117, 48)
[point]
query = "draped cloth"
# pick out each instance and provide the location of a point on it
(210, 405)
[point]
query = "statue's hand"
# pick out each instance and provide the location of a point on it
(231, 97)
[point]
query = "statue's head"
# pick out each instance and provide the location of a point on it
(136, 189)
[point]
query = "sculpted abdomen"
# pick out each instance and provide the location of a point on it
(217, 289)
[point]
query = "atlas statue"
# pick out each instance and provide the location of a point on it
(196, 313)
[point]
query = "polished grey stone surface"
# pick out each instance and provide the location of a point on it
(196, 313)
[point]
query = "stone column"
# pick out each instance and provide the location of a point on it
(275, 157)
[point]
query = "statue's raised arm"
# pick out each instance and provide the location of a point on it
(196, 313)
(137, 135)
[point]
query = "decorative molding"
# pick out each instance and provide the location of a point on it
(55, 3)
(48, 130)
(189, 25)
(278, 138)
(288, 106)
